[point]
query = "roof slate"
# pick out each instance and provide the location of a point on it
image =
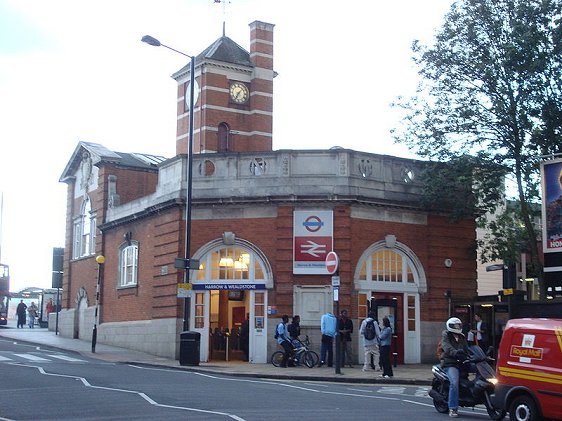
(224, 50)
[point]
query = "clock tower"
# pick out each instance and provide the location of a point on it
(234, 96)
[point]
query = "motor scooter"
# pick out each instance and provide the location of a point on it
(472, 392)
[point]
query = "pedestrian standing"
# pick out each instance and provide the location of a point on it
(345, 329)
(385, 341)
(32, 313)
(21, 311)
(328, 325)
(245, 337)
(480, 332)
(371, 333)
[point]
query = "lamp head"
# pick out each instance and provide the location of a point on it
(151, 41)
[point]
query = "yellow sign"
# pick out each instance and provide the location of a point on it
(508, 291)
(184, 290)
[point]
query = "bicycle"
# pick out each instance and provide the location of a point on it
(301, 354)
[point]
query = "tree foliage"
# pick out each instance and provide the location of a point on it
(491, 88)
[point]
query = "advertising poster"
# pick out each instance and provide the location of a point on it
(313, 239)
(552, 205)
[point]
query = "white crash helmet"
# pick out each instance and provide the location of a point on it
(454, 325)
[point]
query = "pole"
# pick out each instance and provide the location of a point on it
(57, 312)
(100, 261)
(189, 178)
(338, 338)
(189, 173)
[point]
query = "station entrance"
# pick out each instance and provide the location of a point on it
(229, 302)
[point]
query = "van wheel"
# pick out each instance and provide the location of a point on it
(523, 408)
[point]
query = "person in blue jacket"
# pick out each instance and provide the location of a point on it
(384, 347)
(284, 340)
(328, 325)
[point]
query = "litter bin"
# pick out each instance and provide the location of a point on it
(190, 343)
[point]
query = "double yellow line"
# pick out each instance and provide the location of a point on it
(531, 375)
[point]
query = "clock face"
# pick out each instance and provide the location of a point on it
(188, 93)
(239, 93)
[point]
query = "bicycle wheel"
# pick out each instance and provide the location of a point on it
(310, 358)
(277, 358)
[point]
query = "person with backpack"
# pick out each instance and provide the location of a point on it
(371, 332)
(282, 336)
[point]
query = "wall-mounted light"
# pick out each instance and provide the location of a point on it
(448, 263)
(245, 258)
(226, 262)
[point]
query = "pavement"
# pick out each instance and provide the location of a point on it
(416, 374)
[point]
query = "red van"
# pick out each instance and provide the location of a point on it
(529, 370)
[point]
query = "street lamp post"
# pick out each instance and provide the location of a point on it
(100, 260)
(189, 176)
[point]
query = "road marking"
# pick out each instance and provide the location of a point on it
(392, 390)
(141, 394)
(422, 392)
(31, 357)
(67, 358)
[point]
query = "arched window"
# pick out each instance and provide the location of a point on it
(231, 264)
(84, 231)
(223, 141)
(128, 264)
(394, 268)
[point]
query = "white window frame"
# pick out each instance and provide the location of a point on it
(128, 270)
(84, 231)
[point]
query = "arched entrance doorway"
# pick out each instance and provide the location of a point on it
(229, 287)
(391, 272)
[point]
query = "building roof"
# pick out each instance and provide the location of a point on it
(224, 50)
(100, 153)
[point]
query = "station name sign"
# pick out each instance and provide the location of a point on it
(228, 287)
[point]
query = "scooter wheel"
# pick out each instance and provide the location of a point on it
(440, 406)
(496, 414)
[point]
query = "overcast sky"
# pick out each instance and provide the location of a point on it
(73, 70)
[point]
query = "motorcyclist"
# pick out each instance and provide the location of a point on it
(455, 351)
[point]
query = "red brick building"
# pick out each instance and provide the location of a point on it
(262, 224)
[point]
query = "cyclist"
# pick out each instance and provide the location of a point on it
(284, 340)
(455, 351)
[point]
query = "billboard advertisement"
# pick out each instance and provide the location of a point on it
(313, 239)
(551, 172)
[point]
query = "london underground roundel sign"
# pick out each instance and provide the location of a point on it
(332, 262)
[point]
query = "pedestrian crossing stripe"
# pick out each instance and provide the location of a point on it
(67, 358)
(31, 357)
(36, 358)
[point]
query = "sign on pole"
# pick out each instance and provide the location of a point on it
(332, 262)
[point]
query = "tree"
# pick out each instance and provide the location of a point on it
(491, 88)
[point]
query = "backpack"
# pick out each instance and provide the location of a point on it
(276, 334)
(439, 350)
(370, 332)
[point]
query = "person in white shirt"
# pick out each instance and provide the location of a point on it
(371, 345)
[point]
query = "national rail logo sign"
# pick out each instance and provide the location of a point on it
(312, 240)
